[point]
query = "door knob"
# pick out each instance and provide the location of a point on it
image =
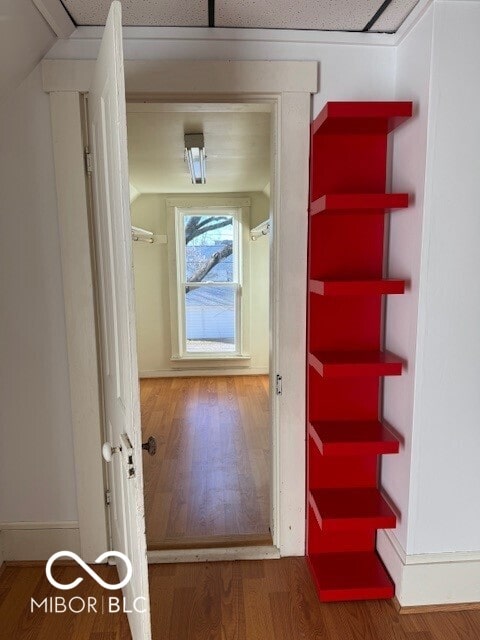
(108, 451)
(150, 445)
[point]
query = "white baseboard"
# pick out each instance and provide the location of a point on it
(430, 578)
(33, 541)
(186, 373)
(213, 555)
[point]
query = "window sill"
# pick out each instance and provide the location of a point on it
(207, 356)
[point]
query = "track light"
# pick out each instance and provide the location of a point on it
(195, 156)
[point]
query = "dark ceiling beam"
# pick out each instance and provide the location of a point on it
(211, 13)
(376, 15)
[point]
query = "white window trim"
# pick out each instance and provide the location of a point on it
(240, 208)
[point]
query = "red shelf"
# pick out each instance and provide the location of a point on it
(339, 364)
(353, 438)
(358, 203)
(351, 509)
(350, 576)
(356, 287)
(361, 117)
(349, 162)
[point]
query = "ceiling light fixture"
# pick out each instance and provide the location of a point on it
(195, 156)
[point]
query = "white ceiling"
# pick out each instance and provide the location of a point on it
(237, 146)
(336, 15)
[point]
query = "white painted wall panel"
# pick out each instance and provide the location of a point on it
(409, 144)
(447, 400)
(36, 454)
(25, 38)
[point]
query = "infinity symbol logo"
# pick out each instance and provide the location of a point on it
(89, 570)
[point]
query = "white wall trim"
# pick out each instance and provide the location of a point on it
(206, 371)
(239, 208)
(62, 524)
(57, 17)
(430, 578)
(189, 77)
(35, 541)
(213, 555)
(243, 35)
(290, 152)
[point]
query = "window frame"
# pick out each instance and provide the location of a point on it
(177, 210)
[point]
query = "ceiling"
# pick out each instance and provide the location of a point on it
(329, 15)
(237, 146)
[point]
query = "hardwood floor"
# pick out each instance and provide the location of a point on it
(209, 483)
(247, 600)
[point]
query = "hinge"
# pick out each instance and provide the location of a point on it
(108, 497)
(278, 385)
(88, 161)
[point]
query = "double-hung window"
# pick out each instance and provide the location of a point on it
(209, 282)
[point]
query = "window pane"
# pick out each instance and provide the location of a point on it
(210, 319)
(209, 249)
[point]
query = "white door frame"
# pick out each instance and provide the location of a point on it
(288, 85)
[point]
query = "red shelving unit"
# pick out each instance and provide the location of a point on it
(346, 359)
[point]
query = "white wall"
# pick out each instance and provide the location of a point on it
(152, 287)
(25, 38)
(36, 458)
(409, 144)
(434, 555)
(435, 405)
(447, 399)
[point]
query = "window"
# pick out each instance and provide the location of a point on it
(209, 282)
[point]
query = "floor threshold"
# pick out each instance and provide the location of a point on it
(168, 556)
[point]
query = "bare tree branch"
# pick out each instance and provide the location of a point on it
(208, 265)
(195, 227)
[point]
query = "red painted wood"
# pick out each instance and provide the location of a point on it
(347, 509)
(361, 117)
(345, 323)
(346, 360)
(356, 287)
(344, 399)
(351, 202)
(342, 472)
(355, 363)
(350, 576)
(353, 438)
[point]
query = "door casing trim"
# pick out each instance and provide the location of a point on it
(287, 85)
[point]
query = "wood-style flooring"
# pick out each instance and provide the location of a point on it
(246, 600)
(209, 483)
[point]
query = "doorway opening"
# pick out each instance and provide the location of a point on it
(202, 262)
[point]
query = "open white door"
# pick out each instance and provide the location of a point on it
(113, 245)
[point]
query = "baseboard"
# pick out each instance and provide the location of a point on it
(37, 541)
(430, 580)
(213, 555)
(188, 373)
(435, 608)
